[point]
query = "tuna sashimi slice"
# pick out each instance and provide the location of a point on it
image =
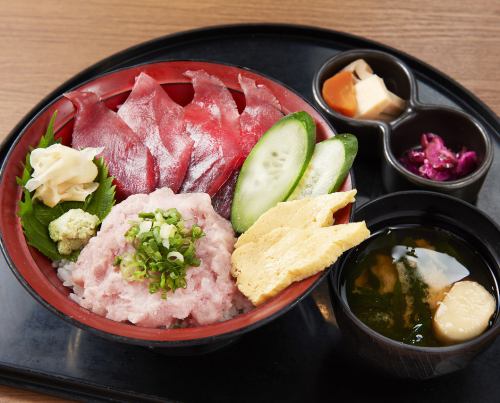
(223, 199)
(128, 159)
(160, 124)
(262, 110)
(212, 121)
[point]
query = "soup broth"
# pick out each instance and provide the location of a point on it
(394, 284)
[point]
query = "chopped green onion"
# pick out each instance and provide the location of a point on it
(164, 249)
(175, 257)
(196, 231)
(146, 215)
(131, 233)
(145, 226)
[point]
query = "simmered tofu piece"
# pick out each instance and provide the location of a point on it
(375, 101)
(464, 313)
(360, 69)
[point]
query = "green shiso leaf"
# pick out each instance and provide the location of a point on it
(46, 141)
(37, 235)
(36, 216)
(102, 200)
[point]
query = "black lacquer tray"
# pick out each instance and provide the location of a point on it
(300, 356)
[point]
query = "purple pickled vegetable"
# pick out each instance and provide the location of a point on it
(467, 162)
(412, 160)
(429, 172)
(426, 138)
(433, 160)
(417, 156)
(436, 152)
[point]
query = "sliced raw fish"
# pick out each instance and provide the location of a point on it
(262, 110)
(224, 197)
(160, 124)
(128, 159)
(212, 121)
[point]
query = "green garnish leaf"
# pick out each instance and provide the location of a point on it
(102, 200)
(46, 214)
(46, 141)
(36, 216)
(164, 249)
(37, 235)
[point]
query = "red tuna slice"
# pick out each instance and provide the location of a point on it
(159, 122)
(262, 110)
(223, 199)
(129, 161)
(212, 121)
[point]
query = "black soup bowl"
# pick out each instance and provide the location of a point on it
(414, 208)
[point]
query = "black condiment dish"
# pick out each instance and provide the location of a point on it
(430, 209)
(398, 79)
(457, 130)
(388, 141)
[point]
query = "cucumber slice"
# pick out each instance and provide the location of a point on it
(328, 168)
(273, 168)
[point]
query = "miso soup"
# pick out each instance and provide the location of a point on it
(397, 280)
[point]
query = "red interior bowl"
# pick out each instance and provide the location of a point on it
(35, 271)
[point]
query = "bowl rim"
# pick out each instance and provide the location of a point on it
(18, 133)
(334, 280)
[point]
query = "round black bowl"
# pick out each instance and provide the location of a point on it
(421, 208)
